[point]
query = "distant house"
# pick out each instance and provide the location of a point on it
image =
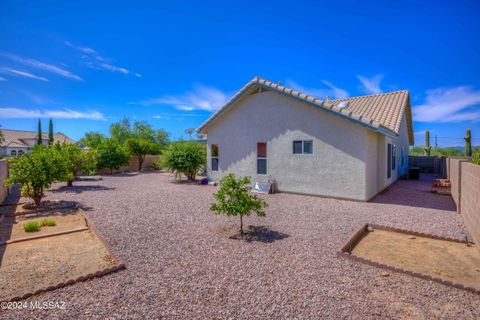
(349, 148)
(17, 142)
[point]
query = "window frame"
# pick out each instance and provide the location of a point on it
(12, 153)
(262, 158)
(302, 147)
(213, 158)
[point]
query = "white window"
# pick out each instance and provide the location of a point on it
(214, 157)
(13, 153)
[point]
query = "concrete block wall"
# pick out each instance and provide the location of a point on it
(454, 175)
(133, 165)
(470, 199)
(3, 176)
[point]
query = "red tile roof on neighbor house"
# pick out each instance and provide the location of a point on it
(14, 138)
(380, 112)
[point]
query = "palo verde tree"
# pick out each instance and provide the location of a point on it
(234, 199)
(50, 132)
(36, 171)
(93, 139)
(140, 148)
(76, 160)
(111, 155)
(184, 157)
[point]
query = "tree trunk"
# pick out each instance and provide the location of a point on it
(111, 170)
(241, 224)
(140, 163)
(70, 183)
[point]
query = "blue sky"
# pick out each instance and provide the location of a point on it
(173, 63)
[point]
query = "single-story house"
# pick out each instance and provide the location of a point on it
(18, 142)
(350, 148)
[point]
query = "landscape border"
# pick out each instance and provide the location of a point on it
(345, 252)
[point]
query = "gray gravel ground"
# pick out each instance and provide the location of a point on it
(182, 265)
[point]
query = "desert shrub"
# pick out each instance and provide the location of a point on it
(111, 155)
(234, 199)
(36, 171)
(184, 157)
(476, 157)
(31, 226)
(157, 164)
(48, 223)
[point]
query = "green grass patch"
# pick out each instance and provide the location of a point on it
(31, 226)
(47, 223)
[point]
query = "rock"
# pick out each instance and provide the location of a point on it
(369, 229)
(412, 237)
(385, 274)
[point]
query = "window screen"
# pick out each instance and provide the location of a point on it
(214, 164)
(261, 158)
(297, 147)
(308, 147)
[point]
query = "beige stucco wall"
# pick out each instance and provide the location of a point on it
(343, 152)
(470, 196)
(3, 176)
(382, 151)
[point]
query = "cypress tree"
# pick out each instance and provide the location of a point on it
(39, 133)
(50, 132)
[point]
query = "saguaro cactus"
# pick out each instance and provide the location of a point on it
(427, 147)
(468, 143)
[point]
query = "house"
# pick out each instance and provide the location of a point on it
(349, 148)
(17, 142)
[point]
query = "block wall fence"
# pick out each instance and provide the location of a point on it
(465, 185)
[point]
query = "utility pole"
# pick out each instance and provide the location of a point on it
(436, 144)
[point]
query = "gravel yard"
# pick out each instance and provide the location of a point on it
(182, 265)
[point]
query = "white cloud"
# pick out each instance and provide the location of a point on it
(371, 85)
(176, 116)
(449, 105)
(22, 74)
(20, 113)
(94, 60)
(42, 66)
(321, 93)
(200, 98)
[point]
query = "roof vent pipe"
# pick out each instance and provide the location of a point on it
(328, 98)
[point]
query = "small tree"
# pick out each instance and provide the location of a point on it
(185, 157)
(76, 160)
(234, 199)
(36, 171)
(140, 148)
(112, 155)
(50, 132)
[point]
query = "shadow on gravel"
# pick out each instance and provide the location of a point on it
(80, 189)
(89, 179)
(260, 234)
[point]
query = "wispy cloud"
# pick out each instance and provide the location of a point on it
(321, 93)
(200, 98)
(22, 73)
(94, 60)
(177, 116)
(66, 113)
(42, 66)
(449, 105)
(371, 85)
(3, 79)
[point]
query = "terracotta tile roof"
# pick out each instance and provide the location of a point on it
(385, 108)
(377, 112)
(14, 138)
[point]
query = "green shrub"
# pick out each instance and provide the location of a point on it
(76, 160)
(48, 223)
(157, 164)
(186, 157)
(234, 199)
(31, 226)
(476, 157)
